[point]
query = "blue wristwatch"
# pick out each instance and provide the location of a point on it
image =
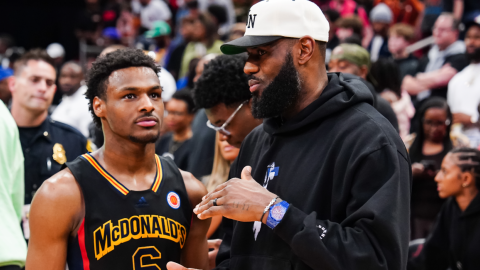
(276, 214)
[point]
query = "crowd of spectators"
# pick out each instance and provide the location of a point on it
(419, 58)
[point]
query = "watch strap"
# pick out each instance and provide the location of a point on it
(276, 214)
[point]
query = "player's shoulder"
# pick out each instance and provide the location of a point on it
(195, 189)
(61, 187)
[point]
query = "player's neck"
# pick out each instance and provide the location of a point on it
(26, 118)
(128, 156)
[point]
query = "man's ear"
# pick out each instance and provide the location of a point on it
(99, 107)
(364, 71)
(305, 48)
(11, 83)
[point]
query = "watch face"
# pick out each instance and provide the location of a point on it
(277, 212)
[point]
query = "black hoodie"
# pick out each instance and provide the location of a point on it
(346, 174)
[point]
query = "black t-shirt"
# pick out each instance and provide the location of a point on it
(178, 151)
(457, 61)
(407, 66)
(425, 200)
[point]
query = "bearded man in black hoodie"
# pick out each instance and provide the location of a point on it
(325, 181)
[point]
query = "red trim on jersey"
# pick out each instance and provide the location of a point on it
(81, 243)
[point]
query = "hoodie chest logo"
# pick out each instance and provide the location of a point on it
(272, 171)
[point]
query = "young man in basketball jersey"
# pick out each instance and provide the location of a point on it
(121, 207)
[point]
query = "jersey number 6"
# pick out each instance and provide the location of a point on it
(143, 252)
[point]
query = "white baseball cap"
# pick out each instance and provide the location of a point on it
(270, 20)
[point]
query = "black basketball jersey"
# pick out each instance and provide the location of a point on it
(126, 229)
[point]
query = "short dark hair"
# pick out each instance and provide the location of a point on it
(386, 73)
(97, 77)
(332, 15)
(404, 30)
(222, 81)
(353, 22)
(211, 28)
(34, 54)
(219, 13)
(185, 96)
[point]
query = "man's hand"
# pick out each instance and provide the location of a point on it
(212, 255)
(461, 118)
(238, 199)
(176, 266)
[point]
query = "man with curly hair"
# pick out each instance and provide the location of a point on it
(120, 206)
(224, 93)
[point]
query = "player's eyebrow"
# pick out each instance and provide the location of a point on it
(133, 88)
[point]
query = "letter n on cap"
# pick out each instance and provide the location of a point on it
(251, 20)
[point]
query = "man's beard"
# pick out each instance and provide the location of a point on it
(475, 56)
(145, 139)
(280, 95)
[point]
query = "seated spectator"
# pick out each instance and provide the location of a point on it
(205, 41)
(185, 34)
(219, 15)
(385, 73)
(406, 11)
(347, 27)
(430, 145)
(445, 59)
(400, 37)
(332, 16)
(5, 94)
(355, 60)
(179, 115)
(455, 240)
(237, 31)
(188, 81)
(73, 109)
(151, 11)
(13, 249)
(225, 154)
(228, 7)
(381, 18)
(160, 33)
(464, 88)
(348, 8)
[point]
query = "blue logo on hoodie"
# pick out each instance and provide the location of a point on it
(272, 171)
